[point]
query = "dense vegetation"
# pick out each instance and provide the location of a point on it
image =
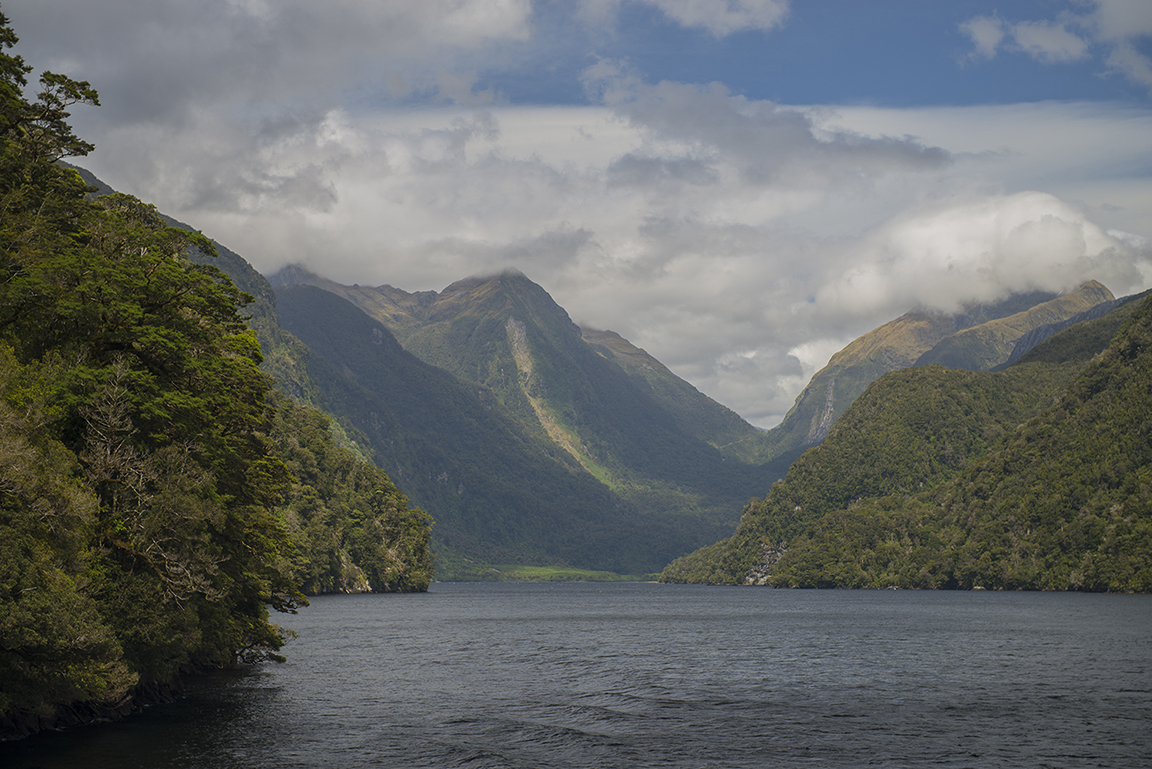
(612, 471)
(500, 494)
(1037, 477)
(155, 500)
(976, 338)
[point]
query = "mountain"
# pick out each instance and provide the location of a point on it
(1033, 477)
(462, 329)
(983, 347)
(1039, 334)
(970, 339)
(695, 413)
(574, 402)
(500, 494)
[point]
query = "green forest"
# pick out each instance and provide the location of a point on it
(1038, 477)
(157, 496)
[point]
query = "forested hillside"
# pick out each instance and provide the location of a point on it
(496, 383)
(156, 499)
(1036, 477)
(978, 338)
(501, 494)
(465, 330)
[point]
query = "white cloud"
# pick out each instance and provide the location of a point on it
(982, 250)
(986, 32)
(1114, 25)
(254, 56)
(737, 241)
(1122, 19)
(721, 233)
(725, 17)
(1049, 42)
(719, 18)
(1129, 62)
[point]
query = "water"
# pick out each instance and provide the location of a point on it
(641, 675)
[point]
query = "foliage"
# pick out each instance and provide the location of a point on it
(1034, 478)
(144, 492)
(542, 449)
(352, 528)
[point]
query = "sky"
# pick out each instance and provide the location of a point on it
(740, 187)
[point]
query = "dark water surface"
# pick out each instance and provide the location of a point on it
(641, 675)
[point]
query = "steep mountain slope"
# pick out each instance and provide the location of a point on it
(505, 333)
(983, 347)
(143, 530)
(1039, 334)
(285, 357)
(1063, 503)
(913, 431)
(695, 413)
(900, 344)
(459, 329)
(499, 493)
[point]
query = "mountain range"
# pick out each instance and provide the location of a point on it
(979, 337)
(1034, 477)
(528, 444)
(535, 443)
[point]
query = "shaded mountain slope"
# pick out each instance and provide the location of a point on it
(459, 329)
(505, 333)
(498, 493)
(695, 413)
(913, 430)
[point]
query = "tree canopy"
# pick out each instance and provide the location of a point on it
(150, 485)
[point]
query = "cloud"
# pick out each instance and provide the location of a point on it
(763, 142)
(986, 32)
(1125, 59)
(736, 240)
(1111, 25)
(719, 18)
(1122, 19)
(725, 17)
(981, 250)
(1047, 42)
(739, 240)
(255, 56)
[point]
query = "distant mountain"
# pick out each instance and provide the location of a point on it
(694, 412)
(462, 329)
(1039, 334)
(974, 338)
(658, 444)
(983, 347)
(1034, 477)
(501, 491)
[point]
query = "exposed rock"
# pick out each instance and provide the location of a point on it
(762, 571)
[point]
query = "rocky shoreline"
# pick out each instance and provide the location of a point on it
(17, 726)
